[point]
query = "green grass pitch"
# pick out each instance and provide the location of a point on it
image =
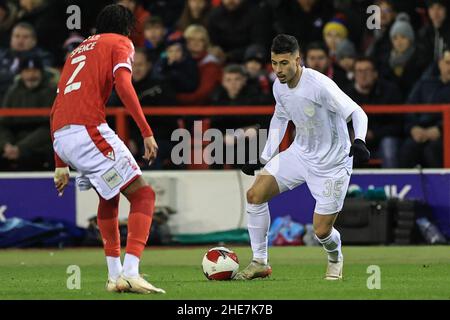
(406, 273)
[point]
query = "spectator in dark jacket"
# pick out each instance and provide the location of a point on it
(47, 17)
(178, 67)
(405, 63)
(23, 44)
(316, 57)
(304, 19)
(25, 141)
(151, 91)
(385, 131)
(435, 36)
(257, 75)
(424, 145)
(235, 92)
(232, 26)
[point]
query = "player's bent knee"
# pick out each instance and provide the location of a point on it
(134, 186)
(322, 231)
(254, 198)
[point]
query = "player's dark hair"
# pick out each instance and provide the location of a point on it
(284, 43)
(115, 18)
(317, 45)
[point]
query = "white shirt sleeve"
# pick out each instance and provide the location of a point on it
(360, 121)
(277, 129)
(336, 100)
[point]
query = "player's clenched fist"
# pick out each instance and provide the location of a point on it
(360, 151)
(61, 179)
(151, 149)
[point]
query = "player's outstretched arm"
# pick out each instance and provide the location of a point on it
(129, 98)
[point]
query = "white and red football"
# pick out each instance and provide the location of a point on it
(220, 263)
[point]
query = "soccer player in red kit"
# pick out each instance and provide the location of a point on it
(83, 140)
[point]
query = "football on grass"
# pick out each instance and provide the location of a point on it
(220, 263)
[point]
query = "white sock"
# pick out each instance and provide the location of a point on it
(114, 267)
(332, 245)
(258, 227)
(131, 266)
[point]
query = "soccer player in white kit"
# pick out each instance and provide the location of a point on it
(320, 156)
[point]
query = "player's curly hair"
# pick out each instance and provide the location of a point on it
(115, 18)
(284, 43)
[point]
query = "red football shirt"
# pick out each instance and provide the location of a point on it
(87, 80)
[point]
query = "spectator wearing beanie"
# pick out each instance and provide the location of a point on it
(257, 75)
(23, 43)
(334, 32)
(405, 63)
(377, 43)
(25, 142)
(345, 57)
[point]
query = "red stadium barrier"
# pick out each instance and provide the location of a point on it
(121, 115)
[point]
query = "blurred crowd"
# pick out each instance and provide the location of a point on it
(217, 52)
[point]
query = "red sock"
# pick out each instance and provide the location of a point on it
(140, 219)
(108, 223)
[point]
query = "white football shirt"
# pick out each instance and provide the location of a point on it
(320, 111)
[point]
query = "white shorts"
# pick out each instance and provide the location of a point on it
(329, 190)
(101, 158)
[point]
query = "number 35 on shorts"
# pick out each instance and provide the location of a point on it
(333, 188)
